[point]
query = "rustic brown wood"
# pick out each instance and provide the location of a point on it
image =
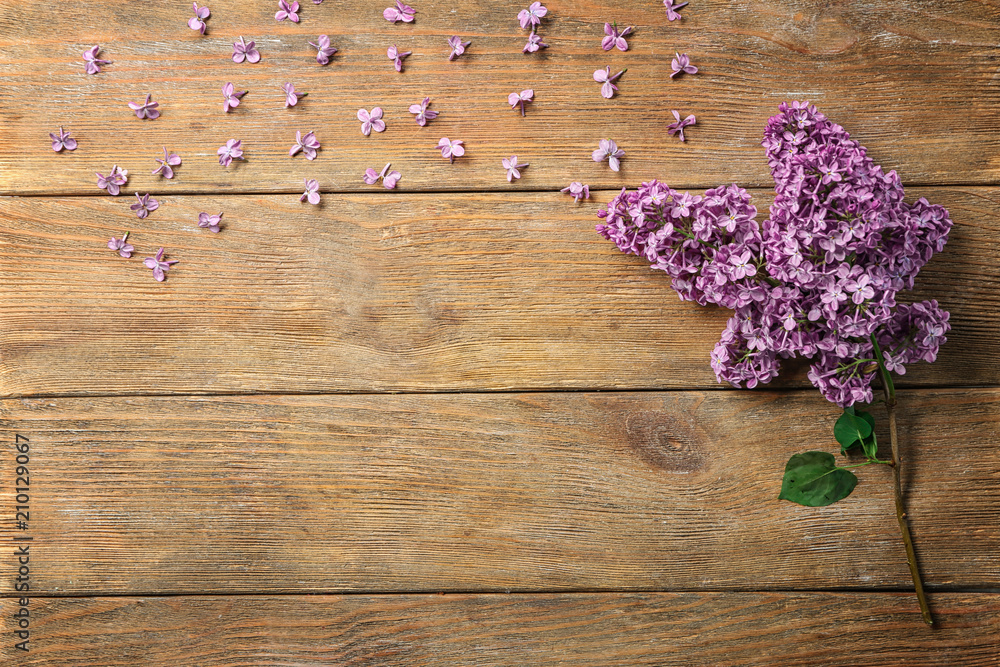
(386, 292)
(491, 492)
(603, 630)
(916, 83)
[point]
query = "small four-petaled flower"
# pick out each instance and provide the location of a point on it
(681, 63)
(371, 121)
(308, 144)
(603, 77)
(147, 109)
(608, 150)
(243, 50)
(114, 181)
(62, 140)
(679, 125)
(534, 43)
(233, 150)
(124, 249)
(400, 12)
(577, 191)
(197, 22)
(312, 191)
(167, 164)
(291, 97)
(91, 62)
(287, 10)
(614, 37)
(515, 99)
(158, 265)
(231, 97)
(532, 16)
(457, 46)
(210, 221)
(512, 167)
(389, 178)
(673, 10)
(323, 48)
(451, 149)
(397, 56)
(423, 114)
(145, 205)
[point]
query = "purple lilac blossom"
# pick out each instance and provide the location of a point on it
(323, 48)
(210, 221)
(145, 205)
(680, 63)
(291, 97)
(167, 164)
(231, 97)
(613, 37)
(457, 46)
(287, 10)
(677, 127)
(197, 22)
(308, 144)
(233, 150)
(817, 278)
(114, 181)
(532, 16)
(62, 140)
(389, 178)
(609, 150)
(422, 113)
(371, 121)
(312, 191)
(145, 110)
(396, 56)
(92, 63)
(577, 191)
(243, 50)
(400, 12)
(121, 246)
(451, 149)
(512, 167)
(158, 265)
(534, 44)
(673, 10)
(607, 81)
(515, 99)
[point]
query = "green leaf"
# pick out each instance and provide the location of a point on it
(852, 428)
(812, 479)
(870, 445)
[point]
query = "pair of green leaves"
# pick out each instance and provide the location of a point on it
(813, 479)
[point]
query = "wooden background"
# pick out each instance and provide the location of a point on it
(449, 424)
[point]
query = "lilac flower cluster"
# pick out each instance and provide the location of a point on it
(818, 278)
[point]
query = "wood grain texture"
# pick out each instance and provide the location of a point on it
(581, 630)
(916, 83)
(487, 492)
(395, 293)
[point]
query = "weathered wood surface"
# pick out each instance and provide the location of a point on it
(916, 83)
(490, 492)
(602, 630)
(388, 292)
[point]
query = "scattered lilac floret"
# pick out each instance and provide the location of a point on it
(124, 249)
(92, 62)
(678, 126)
(323, 48)
(62, 141)
(197, 22)
(233, 150)
(158, 265)
(681, 63)
(231, 97)
(167, 164)
(389, 178)
(512, 167)
(243, 50)
(287, 10)
(114, 181)
(613, 37)
(457, 46)
(534, 44)
(577, 191)
(603, 77)
(371, 121)
(451, 149)
(397, 56)
(312, 191)
(291, 97)
(515, 99)
(308, 144)
(210, 221)
(145, 110)
(532, 15)
(423, 114)
(145, 205)
(673, 11)
(609, 150)
(400, 12)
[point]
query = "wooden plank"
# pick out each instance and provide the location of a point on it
(487, 492)
(393, 293)
(914, 83)
(603, 630)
